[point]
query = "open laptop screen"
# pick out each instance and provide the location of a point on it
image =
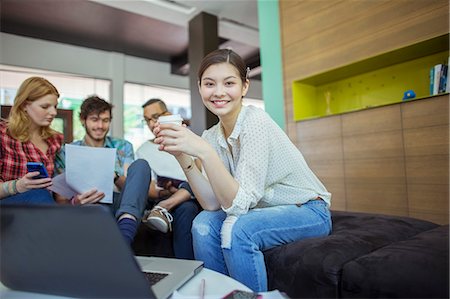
(69, 251)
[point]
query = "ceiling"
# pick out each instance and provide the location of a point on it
(152, 29)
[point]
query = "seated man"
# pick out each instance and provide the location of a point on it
(132, 179)
(174, 197)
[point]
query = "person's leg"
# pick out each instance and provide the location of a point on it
(262, 229)
(161, 217)
(129, 206)
(133, 197)
(206, 240)
(183, 215)
(34, 196)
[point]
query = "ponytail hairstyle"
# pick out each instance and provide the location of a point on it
(29, 91)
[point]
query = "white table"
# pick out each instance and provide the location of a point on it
(216, 286)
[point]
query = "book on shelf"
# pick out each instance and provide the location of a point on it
(439, 79)
(447, 86)
(443, 79)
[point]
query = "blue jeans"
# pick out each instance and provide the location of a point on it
(133, 198)
(254, 232)
(183, 215)
(34, 196)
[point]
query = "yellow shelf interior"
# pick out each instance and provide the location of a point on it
(373, 82)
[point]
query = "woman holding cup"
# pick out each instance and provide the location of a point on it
(256, 189)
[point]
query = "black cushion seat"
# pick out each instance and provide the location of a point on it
(312, 268)
(414, 268)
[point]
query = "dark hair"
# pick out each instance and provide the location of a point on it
(96, 105)
(221, 56)
(153, 101)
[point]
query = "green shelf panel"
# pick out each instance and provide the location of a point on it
(333, 93)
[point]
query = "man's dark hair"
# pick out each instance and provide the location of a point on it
(94, 105)
(155, 100)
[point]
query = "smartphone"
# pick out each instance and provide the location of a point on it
(37, 166)
(238, 294)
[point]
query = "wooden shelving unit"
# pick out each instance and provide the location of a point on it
(373, 82)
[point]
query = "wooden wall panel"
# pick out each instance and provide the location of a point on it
(331, 174)
(361, 29)
(380, 119)
(389, 199)
(318, 150)
(390, 160)
(432, 112)
(374, 161)
(376, 186)
(375, 171)
(426, 139)
(394, 158)
(321, 145)
(326, 128)
(432, 170)
(429, 202)
(374, 145)
(323, 35)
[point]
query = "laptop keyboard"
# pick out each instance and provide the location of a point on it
(153, 277)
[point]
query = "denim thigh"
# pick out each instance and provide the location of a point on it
(33, 196)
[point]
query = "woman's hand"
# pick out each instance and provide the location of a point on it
(88, 197)
(27, 182)
(176, 140)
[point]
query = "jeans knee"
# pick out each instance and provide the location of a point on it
(241, 233)
(200, 224)
(140, 166)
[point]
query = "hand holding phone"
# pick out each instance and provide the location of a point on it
(37, 166)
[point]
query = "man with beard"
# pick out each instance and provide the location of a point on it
(131, 178)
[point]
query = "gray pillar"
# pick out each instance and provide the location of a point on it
(203, 38)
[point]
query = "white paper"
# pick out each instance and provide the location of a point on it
(89, 168)
(60, 186)
(162, 163)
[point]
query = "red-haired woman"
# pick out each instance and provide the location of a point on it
(27, 137)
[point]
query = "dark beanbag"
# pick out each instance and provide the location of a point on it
(414, 268)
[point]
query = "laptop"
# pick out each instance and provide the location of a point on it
(79, 252)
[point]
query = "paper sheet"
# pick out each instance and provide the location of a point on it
(60, 186)
(162, 163)
(90, 167)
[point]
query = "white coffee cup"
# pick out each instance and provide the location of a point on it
(171, 119)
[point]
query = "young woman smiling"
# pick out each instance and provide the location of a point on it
(256, 189)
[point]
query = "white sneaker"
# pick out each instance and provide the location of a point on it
(159, 219)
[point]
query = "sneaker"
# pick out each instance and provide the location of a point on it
(159, 219)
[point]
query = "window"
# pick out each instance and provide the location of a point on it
(178, 101)
(72, 89)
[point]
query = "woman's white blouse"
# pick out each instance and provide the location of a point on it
(270, 170)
